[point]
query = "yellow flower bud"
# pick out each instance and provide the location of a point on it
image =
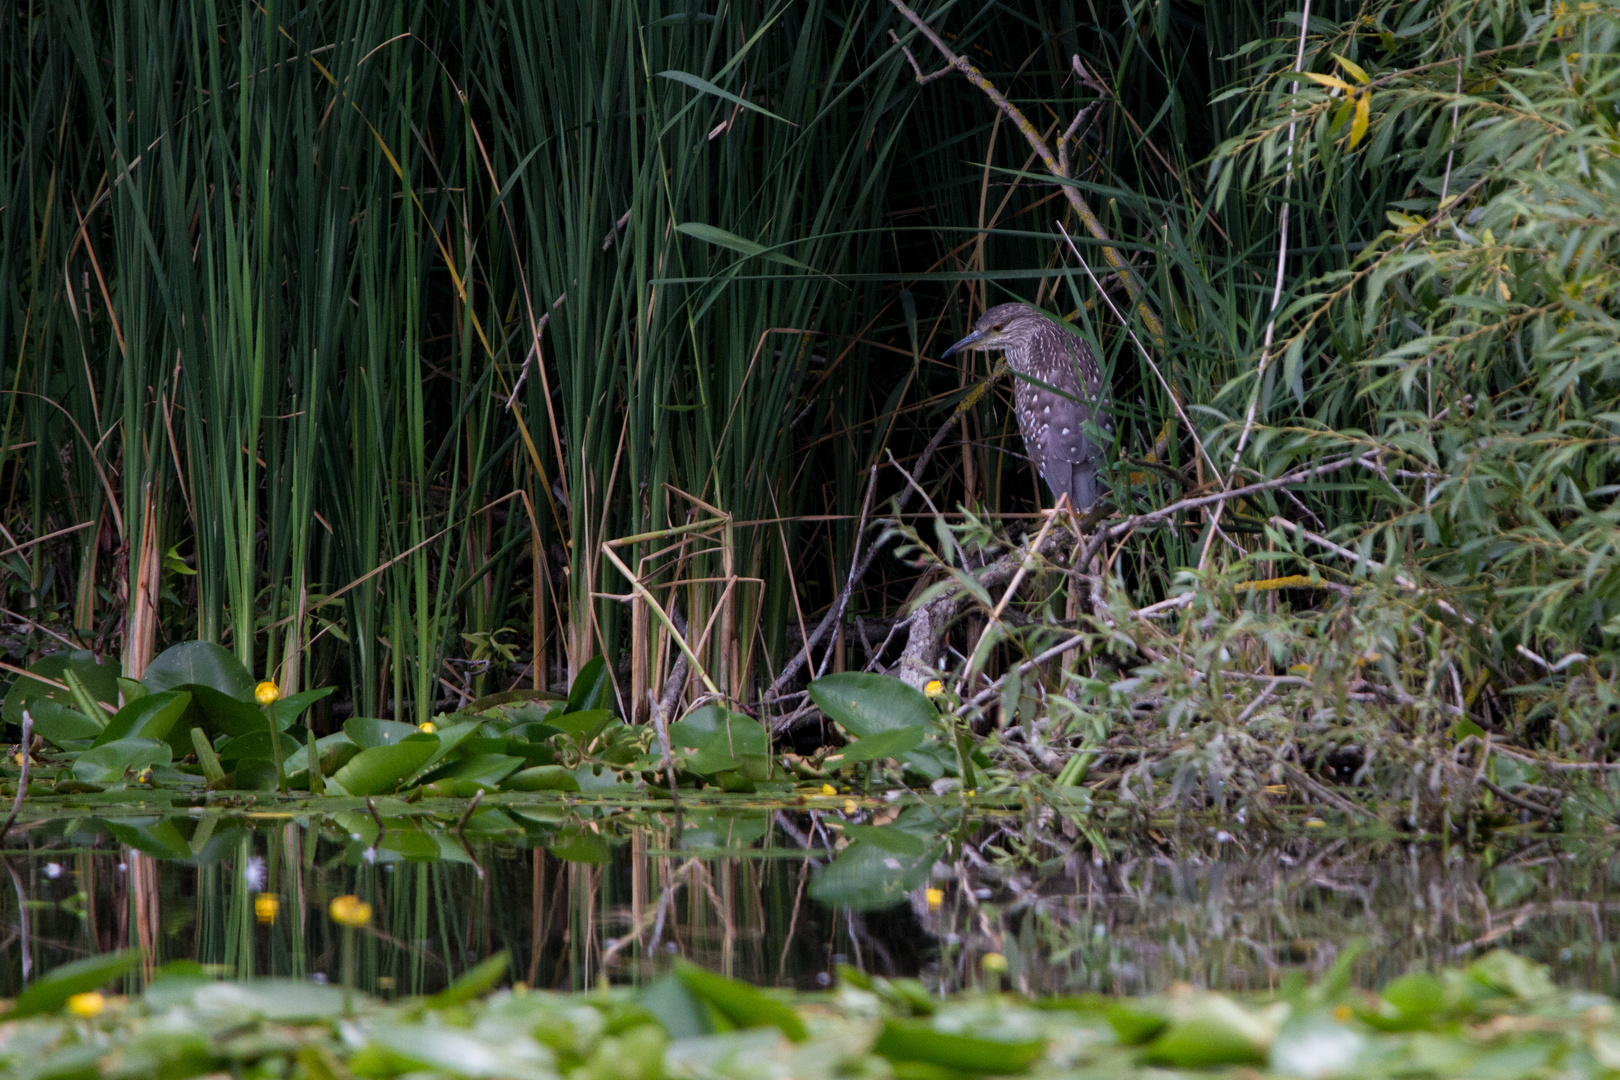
(936, 898)
(934, 688)
(267, 693)
(993, 963)
(850, 806)
(266, 906)
(87, 1005)
(828, 789)
(426, 726)
(350, 911)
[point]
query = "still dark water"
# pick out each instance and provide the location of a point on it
(579, 892)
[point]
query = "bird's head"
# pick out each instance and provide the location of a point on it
(1003, 327)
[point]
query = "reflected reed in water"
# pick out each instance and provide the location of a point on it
(581, 893)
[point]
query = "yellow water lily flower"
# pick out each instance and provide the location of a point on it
(426, 726)
(993, 963)
(266, 906)
(87, 1005)
(350, 911)
(267, 693)
(850, 806)
(934, 688)
(935, 897)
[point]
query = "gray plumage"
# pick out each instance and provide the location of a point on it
(1054, 426)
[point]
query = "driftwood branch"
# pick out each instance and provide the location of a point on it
(791, 670)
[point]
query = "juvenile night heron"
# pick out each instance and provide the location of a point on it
(1053, 424)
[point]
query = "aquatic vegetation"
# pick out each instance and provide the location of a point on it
(1499, 1016)
(196, 719)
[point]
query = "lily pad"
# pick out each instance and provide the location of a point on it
(382, 769)
(864, 704)
(149, 717)
(865, 876)
(111, 761)
(199, 663)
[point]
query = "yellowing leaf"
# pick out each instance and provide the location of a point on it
(1353, 68)
(1358, 126)
(1328, 81)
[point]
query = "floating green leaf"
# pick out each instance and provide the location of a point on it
(148, 717)
(541, 778)
(743, 1005)
(199, 663)
(382, 769)
(476, 981)
(51, 991)
(864, 704)
(918, 1040)
(367, 732)
(110, 761)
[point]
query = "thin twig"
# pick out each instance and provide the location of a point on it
(22, 780)
(1152, 517)
(1523, 804)
(922, 80)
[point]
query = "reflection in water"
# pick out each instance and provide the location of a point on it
(579, 893)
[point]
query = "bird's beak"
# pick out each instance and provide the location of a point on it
(966, 343)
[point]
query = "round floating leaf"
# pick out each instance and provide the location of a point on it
(864, 704)
(148, 717)
(920, 1041)
(255, 745)
(367, 732)
(865, 876)
(200, 663)
(51, 991)
(290, 708)
(486, 769)
(884, 744)
(216, 711)
(382, 768)
(579, 845)
(740, 1003)
(110, 761)
(1214, 1030)
(542, 778)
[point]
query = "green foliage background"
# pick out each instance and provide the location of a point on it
(324, 320)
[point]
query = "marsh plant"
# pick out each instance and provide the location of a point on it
(430, 353)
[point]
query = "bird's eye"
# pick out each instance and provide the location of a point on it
(997, 329)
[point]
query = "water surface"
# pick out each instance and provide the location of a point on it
(579, 891)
